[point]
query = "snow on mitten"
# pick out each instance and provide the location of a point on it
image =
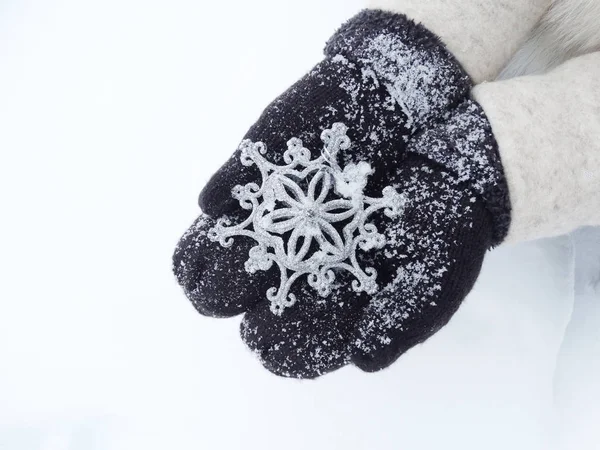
(340, 238)
(458, 207)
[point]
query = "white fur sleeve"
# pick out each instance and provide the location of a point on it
(548, 130)
(482, 35)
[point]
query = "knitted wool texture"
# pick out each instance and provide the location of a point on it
(403, 99)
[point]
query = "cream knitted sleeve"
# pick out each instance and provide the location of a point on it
(548, 131)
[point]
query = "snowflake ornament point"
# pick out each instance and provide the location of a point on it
(280, 206)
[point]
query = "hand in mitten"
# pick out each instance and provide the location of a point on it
(340, 238)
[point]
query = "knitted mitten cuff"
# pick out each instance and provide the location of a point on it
(413, 64)
(482, 35)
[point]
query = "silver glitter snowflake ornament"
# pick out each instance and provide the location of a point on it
(309, 233)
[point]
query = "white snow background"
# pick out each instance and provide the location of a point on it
(113, 115)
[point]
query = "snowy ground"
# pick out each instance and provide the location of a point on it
(113, 114)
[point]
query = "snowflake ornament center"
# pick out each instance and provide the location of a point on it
(289, 222)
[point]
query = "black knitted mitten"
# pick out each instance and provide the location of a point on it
(353, 219)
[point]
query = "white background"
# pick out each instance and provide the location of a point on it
(113, 114)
